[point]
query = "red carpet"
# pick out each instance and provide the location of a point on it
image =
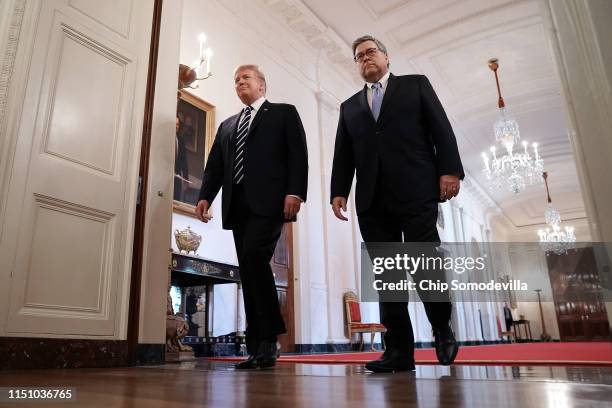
(587, 353)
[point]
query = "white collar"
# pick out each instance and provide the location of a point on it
(257, 104)
(382, 80)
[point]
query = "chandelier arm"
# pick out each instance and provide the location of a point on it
(493, 65)
(545, 176)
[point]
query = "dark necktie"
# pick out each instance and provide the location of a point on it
(243, 130)
(377, 97)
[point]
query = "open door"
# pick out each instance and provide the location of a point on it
(282, 267)
(68, 227)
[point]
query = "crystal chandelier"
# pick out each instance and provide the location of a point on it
(554, 238)
(512, 169)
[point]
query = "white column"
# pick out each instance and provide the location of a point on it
(579, 32)
(459, 320)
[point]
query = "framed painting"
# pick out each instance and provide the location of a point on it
(194, 137)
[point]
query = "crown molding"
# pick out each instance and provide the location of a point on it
(313, 31)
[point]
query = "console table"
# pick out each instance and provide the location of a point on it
(189, 271)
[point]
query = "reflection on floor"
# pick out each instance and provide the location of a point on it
(205, 383)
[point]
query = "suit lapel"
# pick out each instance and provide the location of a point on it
(263, 110)
(232, 127)
(363, 102)
(391, 88)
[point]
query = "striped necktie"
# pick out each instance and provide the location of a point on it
(377, 97)
(243, 130)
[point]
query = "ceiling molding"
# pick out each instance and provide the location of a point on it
(404, 5)
(321, 38)
(452, 24)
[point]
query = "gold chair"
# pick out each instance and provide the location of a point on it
(355, 325)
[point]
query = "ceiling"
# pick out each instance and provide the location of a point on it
(451, 41)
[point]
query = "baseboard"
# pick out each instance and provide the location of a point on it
(150, 354)
(35, 352)
(346, 347)
(332, 348)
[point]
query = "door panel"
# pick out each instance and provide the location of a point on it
(72, 195)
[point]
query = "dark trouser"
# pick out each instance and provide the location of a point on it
(390, 221)
(255, 238)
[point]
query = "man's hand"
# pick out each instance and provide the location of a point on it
(201, 211)
(339, 203)
(292, 207)
(449, 187)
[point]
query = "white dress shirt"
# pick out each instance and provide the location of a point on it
(256, 106)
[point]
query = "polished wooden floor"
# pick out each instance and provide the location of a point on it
(208, 384)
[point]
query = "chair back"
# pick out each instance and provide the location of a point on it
(353, 311)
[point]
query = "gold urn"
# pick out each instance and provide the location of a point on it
(187, 240)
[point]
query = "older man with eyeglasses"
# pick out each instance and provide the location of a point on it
(395, 134)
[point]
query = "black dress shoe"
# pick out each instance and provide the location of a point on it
(266, 354)
(446, 346)
(248, 364)
(392, 361)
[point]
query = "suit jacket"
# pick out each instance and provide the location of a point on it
(276, 161)
(406, 150)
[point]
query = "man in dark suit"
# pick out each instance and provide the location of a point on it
(259, 157)
(395, 135)
(181, 170)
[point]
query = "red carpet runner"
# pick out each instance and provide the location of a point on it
(588, 353)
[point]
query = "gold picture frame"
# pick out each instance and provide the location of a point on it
(194, 139)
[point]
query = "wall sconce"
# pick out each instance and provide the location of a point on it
(189, 75)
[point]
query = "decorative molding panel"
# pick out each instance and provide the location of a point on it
(74, 245)
(77, 103)
(66, 280)
(116, 15)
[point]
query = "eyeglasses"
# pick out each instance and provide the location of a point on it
(370, 52)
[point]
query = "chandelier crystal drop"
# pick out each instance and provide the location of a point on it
(514, 169)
